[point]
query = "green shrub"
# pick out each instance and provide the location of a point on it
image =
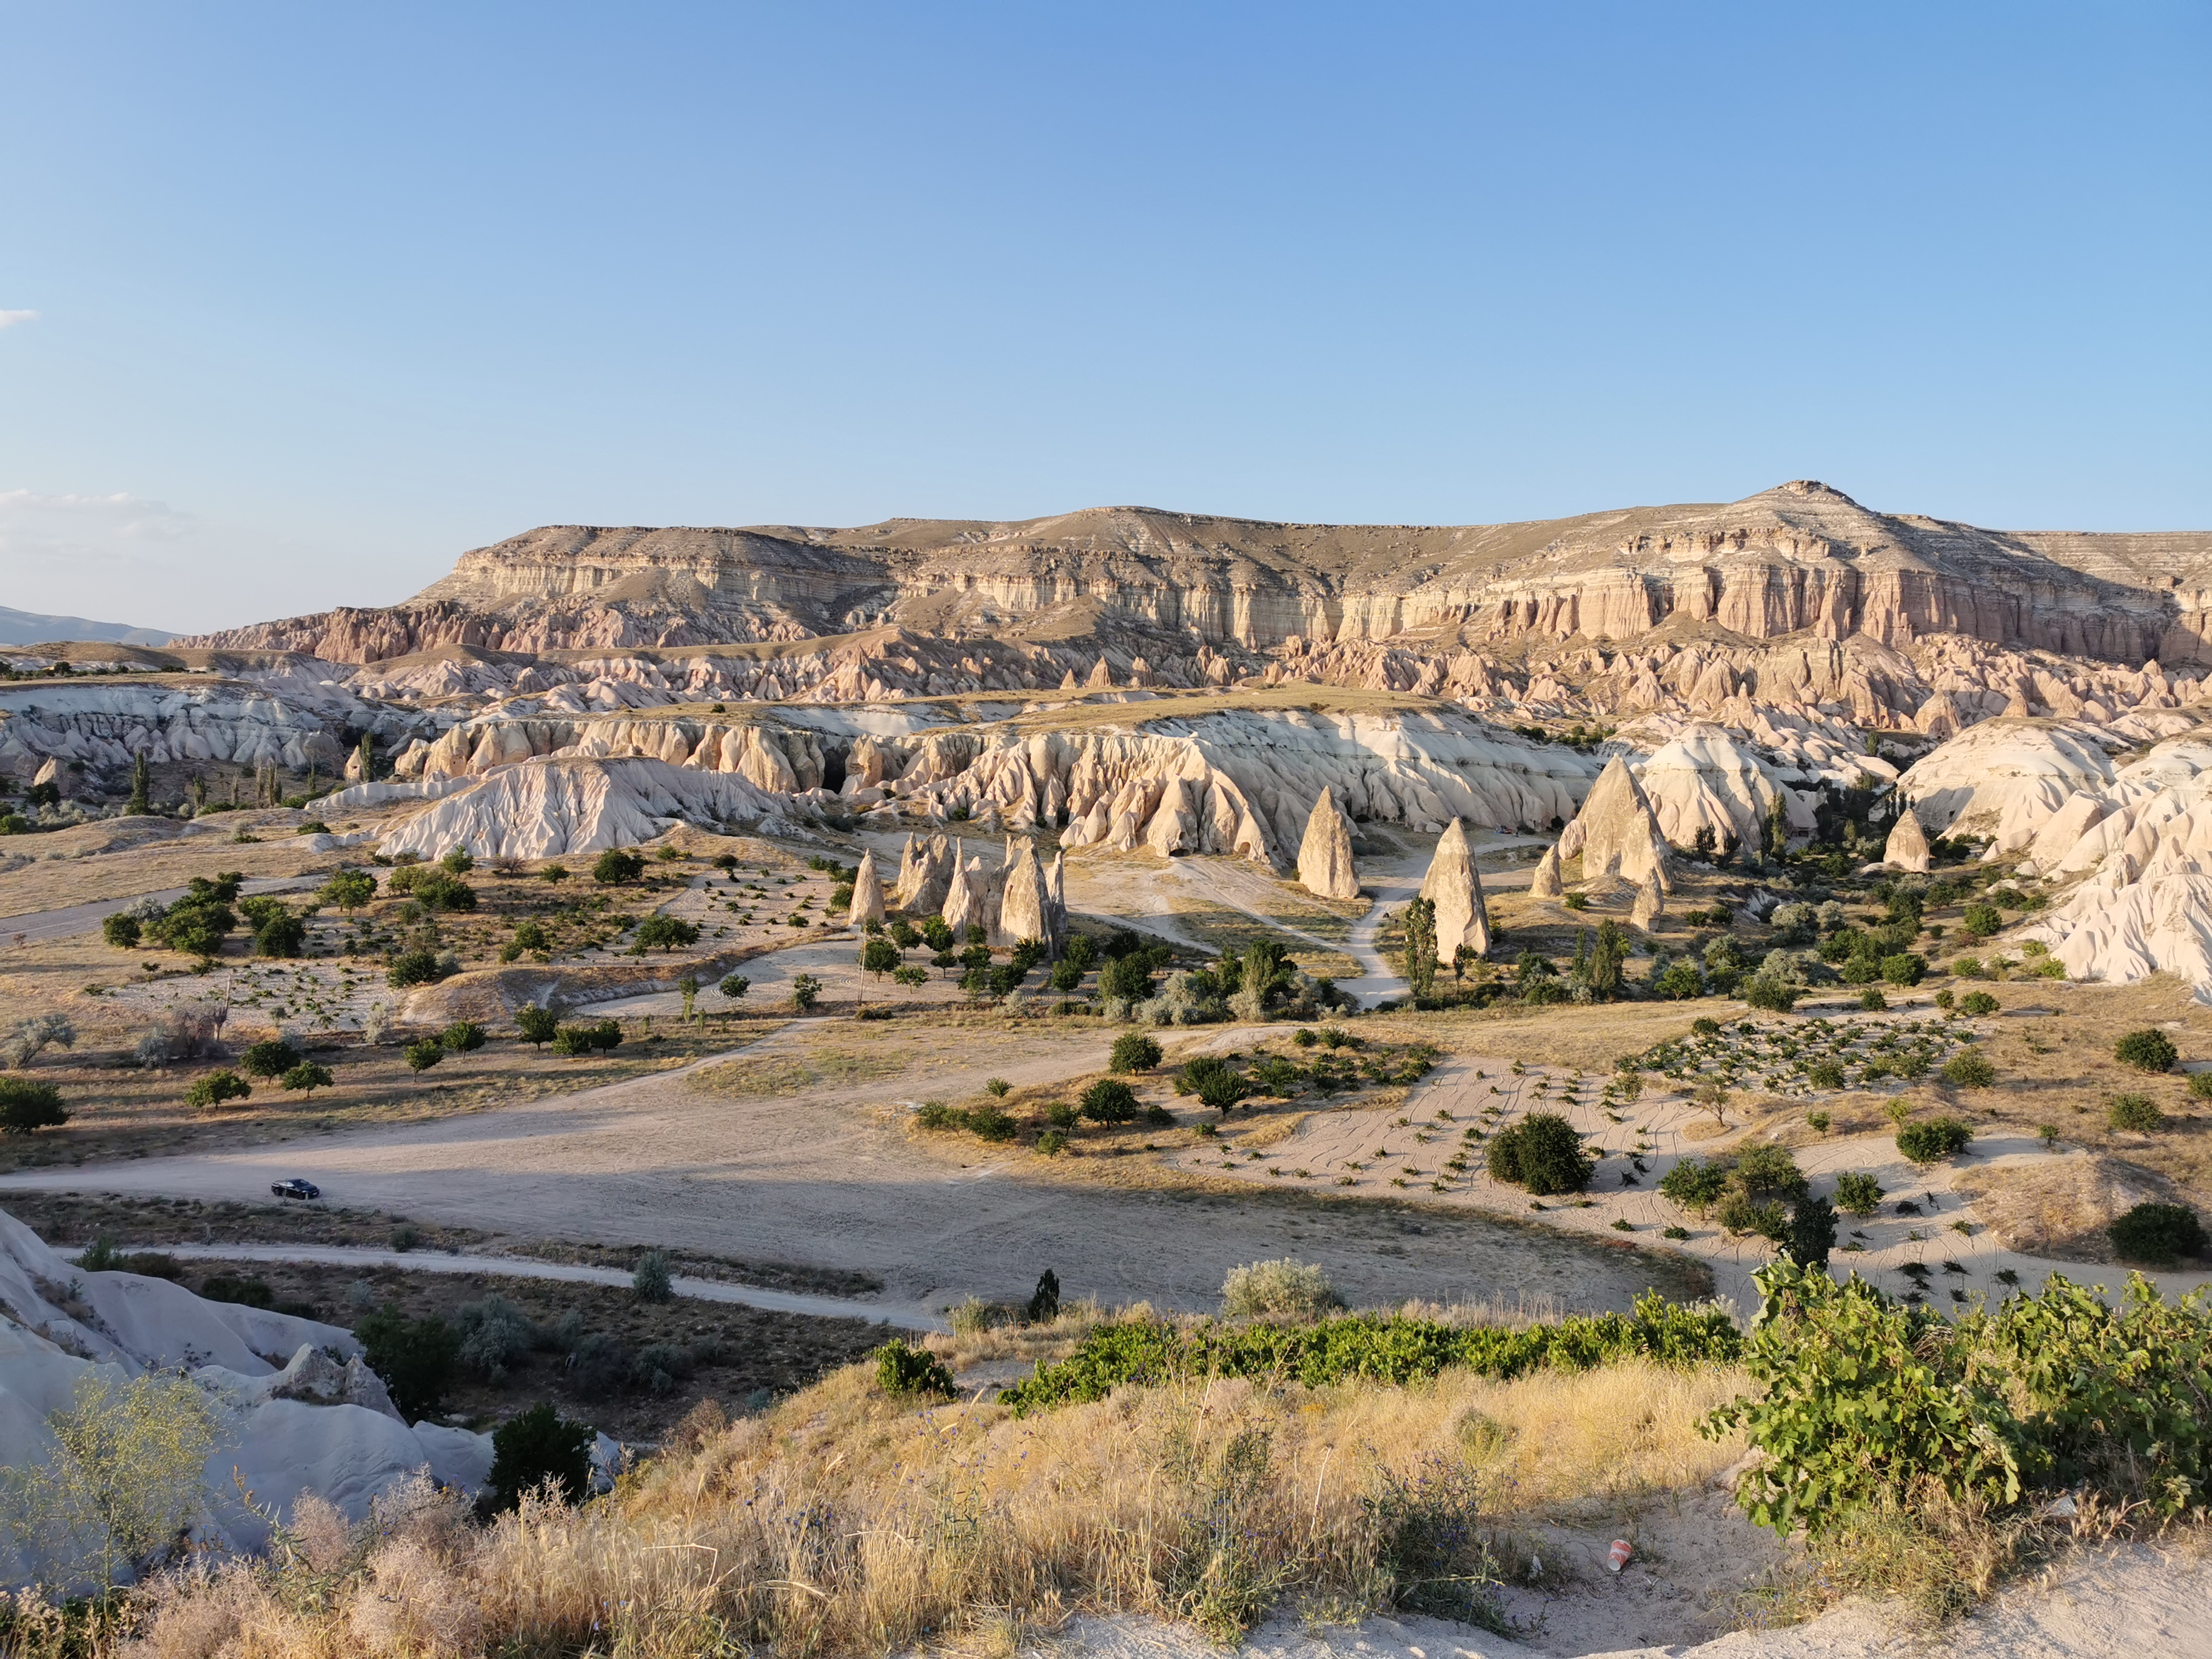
(2147, 1050)
(900, 1369)
(418, 1358)
(1387, 1349)
(1826, 1074)
(1287, 1289)
(1542, 1153)
(614, 866)
(536, 1025)
(537, 1446)
(1771, 992)
(1980, 921)
(1053, 1142)
(216, 1087)
(306, 1076)
(423, 1056)
(1694, 1184)
(1108, 1101)
(1978, 1004)
(2154, 1234)
(989, 1123)
(463, 1036)
(649, 1281)
(2137, 1113)
(122, 930)
(420, 966)
(272, 1059)
(1932, 1142)
(1857, 1192)
(1133, 1051)
(1904, 968)
(26, 1107)
(1968, 1069)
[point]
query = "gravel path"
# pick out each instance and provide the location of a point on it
(905, 1315)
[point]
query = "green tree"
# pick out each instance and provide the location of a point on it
(614, 866)
(665, 931)
(536, 1024)
(272, 1058)
(463, 1036)
(1606, 960)
(650, 1281)
(128, 1473)
(1420, 917)
(418, 1358)
(735, 987)
(216, 1087)
(537, 1446)
(880, 955)
(349, 890)
(423, 1056)
(1133, 1051)
(2147, 1050)
(1543, 1154)
(1109, 1100)
(281, 933)
(805, 992)
(27, 1107)
(142, 786)
(306, 1076)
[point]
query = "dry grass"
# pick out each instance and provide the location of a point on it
(843, 1522)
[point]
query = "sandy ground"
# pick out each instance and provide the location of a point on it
(2104, 1604)
(829, 1175)
(1402, 1151)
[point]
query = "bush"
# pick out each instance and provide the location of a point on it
(989, 1123)
(2148, 1050)
(1826, 1074)
(272, 1059)
(1133, 1052)
(536, 1025)
(1392, 1350)
(2154, 1234)
(1542, 1153)
(900, 1369)
(26, 1107)
(2136, 1113)
(420, 966)
(1904, 968)
(1695, 1185)
(1108, 1101)
(1968, 1069)
(735, 987)
(217, 1086)
(1856, 1193)
(418, 1358)
(538, 1446)
(665, 932)
(615, 866)
(1774, 995)
(1287, 1289)
(121, 930)
(598, 1365)
(1978, 1004)
(463, 1036)
(423, 1056)
(1053, 1142)
(495, 1334)
(1932, 1142)
(1980, 921)
(650, 1281)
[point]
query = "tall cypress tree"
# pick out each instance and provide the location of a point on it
(141, 787)
(1421, 947)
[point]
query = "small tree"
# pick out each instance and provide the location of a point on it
(306, 1076)
(1133, 1051)
(614, 866)
(128, 1476)
(1934, 1141)
(463, 1036)
(217, 1086)
(1857, 1192)
(27, 1107)
(650, 1280)
(418, 1358)
(880, 955)
(122, 930)
(1543, 1154)
(2154, 1234)
(537, 1446)
(735, 987)
(1606, 960)
(900, 1369)
(2137, 1114)
(271, 1059)
(423, 1056)
(537, 1024)
(1812, 1232)
(141, 786)
(665, 931)
(1420, 917)
(2147, 1050)
(1044, 1301)
(1108, 1101)
(805, 992)
(1288, 1289)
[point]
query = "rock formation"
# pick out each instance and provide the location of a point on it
(1454, 886)
(546, 808)
(867, 892)
(2004, 777)
(1325, 864)
(1545, 882)
(1650, 904)
(1024, 909)
(1907, 846)
(1620, 837)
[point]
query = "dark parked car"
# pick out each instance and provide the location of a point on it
(296, 1188)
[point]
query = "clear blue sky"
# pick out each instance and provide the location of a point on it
(325, 295)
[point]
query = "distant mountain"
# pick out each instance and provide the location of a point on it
(29, 628)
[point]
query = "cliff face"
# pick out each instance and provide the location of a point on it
(1798, 559)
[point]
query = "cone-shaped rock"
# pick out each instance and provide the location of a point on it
(867, 891)
(1907, 846)
(1650, 904)
(1545, 884)
(1325, 864)
(1023, 913)
(963, 899)
(1455, 887)
(1620, 835)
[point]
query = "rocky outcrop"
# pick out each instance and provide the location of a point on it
(1709, 779)
(1649, 904)
(2004, 775)
(1325, 864)
(1620, 834)
(540, 809)
(1545, 882)
(1907, 846)
(867, 892)
(103, 726)
(1454, 886)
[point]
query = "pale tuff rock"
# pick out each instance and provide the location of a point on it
(965, 897)
(310, 1417)
(1325, 864)
(1024, 909)
(925, 873)
(2063, 829)
(1907, 846)
(1620, 837)
(1570, 840)
(867, 892)
(1454, 886)
(1650, 904)
(2005, 774)
(544, 808)
(50, 773)
(1544, 882)
(104, 726)
(1708, 779)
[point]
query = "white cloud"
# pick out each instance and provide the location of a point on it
(9, 318)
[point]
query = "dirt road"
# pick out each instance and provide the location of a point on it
(83, 918)
(827, 1174)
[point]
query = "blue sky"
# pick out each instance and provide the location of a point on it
(323, 295)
